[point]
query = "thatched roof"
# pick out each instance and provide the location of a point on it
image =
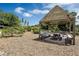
(57, 14)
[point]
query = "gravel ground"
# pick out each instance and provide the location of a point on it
(28, 46)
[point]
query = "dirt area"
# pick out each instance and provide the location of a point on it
(28, 46)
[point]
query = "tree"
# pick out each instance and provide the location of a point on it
(73, 13)
(8, 19)
(13, 20)
(25, 21)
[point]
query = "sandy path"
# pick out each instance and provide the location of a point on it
(26, 45)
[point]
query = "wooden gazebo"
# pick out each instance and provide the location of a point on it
(57, 15)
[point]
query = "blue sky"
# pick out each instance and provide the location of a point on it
(34, 12)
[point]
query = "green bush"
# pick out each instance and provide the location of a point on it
(28, 28)
(8, 32)
(20, 29)
(35, 30)
(11, 31)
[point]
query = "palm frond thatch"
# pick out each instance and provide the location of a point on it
(57, 14)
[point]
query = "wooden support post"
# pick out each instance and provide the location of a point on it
(67, 26)
(70, 27)
(74, 31)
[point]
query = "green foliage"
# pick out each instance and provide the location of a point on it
(25, 21)
(13, 21)
(51, 27)
(73, 13)
(54, 28)
(35, 30)
(8, 31)
(11, 24)
(9, 19)
(11, 31)
(77, 30)
(20, 29)
(44, 26)
(28, 28)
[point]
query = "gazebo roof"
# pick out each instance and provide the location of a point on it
(57, 14)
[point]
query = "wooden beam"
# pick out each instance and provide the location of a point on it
(73, 31)
(70, 27)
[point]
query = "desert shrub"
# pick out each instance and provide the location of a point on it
(35, 30)
(20, 29)
(28, 28)
(8, 31)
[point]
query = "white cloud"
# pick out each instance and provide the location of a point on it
(19, 9)
(27, 15)
(38, 11)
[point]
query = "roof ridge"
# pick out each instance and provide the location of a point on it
(56, 13)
